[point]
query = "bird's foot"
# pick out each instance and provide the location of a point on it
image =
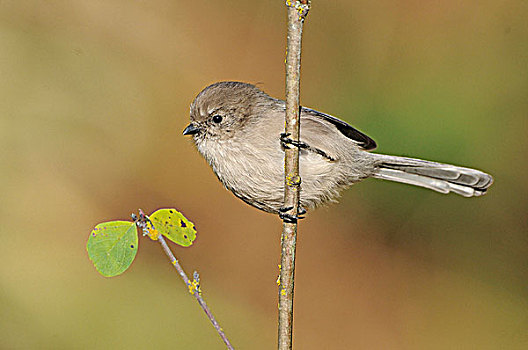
(286, 141)
(291, 219)
(301, 211)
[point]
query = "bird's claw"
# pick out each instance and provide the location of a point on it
(291, 219)
(286, 141)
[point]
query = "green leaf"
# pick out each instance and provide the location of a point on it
(112, 246)
(173, 225)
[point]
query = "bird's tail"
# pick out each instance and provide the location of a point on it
(443, 178)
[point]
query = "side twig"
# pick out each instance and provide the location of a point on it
(194, 285)
(297, 11)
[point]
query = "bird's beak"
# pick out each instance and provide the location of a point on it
(191, 130)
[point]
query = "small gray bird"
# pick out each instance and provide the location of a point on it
(237, 128)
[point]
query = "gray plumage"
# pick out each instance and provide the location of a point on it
(236, 127)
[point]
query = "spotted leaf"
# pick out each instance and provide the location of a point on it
(173, 225)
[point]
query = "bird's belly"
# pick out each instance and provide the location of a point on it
(255, 177)
(258, 177)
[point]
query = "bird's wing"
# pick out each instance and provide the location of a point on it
(361, 139)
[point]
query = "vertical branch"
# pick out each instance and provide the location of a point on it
(297, 11)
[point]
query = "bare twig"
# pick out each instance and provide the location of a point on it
(194, 285)
(297, 11)
(194, 288)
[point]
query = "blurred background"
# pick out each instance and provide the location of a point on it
(95, 95)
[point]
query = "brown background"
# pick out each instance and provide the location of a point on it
(94, 96)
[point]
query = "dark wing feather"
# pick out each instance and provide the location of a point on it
(363, 140)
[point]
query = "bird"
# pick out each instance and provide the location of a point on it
(239, 130)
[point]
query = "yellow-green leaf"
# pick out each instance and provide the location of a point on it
(173, 225)
(112, 246)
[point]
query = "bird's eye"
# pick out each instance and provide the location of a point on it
(217, 118)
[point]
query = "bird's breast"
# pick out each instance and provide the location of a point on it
(249, 168)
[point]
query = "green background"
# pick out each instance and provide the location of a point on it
(94, 96)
